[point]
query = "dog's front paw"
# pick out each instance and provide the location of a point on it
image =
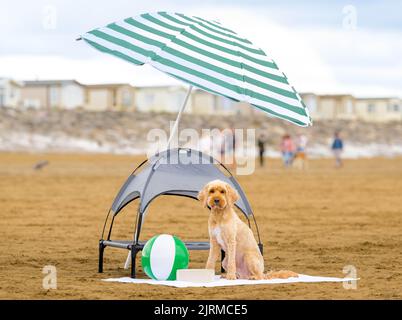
(231, 276)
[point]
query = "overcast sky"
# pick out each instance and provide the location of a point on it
(322, 46)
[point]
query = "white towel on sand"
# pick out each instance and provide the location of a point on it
(223, 282)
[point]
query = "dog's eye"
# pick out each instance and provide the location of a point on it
(222, 191)
(211, 191)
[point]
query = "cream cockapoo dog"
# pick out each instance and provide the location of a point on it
(243, 258)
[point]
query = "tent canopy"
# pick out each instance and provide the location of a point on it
(180, 172)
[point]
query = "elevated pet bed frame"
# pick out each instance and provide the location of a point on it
(179, 172)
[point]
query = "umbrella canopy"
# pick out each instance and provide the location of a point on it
(206, 55)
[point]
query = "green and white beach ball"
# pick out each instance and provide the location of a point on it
(163, 255)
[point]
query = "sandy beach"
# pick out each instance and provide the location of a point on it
(313, 222)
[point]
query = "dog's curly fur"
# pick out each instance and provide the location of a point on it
(243, 258)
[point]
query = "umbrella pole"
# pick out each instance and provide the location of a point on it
(176, 124)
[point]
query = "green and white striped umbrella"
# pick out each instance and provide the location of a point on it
(206, 55)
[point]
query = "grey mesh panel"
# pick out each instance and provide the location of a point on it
(131, 190)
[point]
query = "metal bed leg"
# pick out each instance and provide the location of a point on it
(222, 257)
(101, 249)
(134, 252)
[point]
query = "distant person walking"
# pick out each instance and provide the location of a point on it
(262, 139)
(287, 149)
(337, 148)
(300, 158)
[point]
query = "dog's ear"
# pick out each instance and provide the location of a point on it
(202, 196)
(233, 196)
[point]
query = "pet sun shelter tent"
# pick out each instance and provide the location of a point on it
(178, 172)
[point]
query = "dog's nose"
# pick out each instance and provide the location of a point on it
(216, 201)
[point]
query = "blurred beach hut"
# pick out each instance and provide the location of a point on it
(114, 96)
(336, 107)
(312, 102)
(10, 93)
(169, 99)
(203, 102)
(160, 98)
(330, 107)
(379, 109)
(53, 94)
